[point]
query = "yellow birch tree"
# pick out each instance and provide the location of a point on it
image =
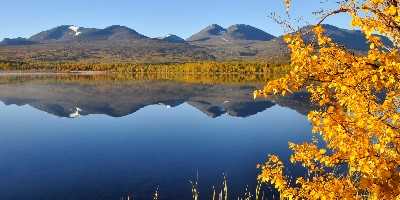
(359, 115)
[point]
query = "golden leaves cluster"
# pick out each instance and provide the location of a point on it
(359, 116)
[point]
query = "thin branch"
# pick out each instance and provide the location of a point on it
(341, 10)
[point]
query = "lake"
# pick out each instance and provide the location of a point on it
(81, 137)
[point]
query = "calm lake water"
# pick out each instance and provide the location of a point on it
(72, 138)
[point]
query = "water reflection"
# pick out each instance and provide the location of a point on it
(132, 136)
(64, 97)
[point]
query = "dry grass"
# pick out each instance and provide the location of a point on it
(217, 194)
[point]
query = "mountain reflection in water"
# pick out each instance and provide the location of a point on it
(65, 97)
(132, 136)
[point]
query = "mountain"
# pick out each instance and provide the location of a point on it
(114, 32)
(60, 34)
(69, 43)
(245, 42)
(236, 42)
(106, 51)
(238, 32)
(66, 33)
(207, 33)
(17, 41)
(247, 32)
(172, 38)
(116, 43)
(351, 39)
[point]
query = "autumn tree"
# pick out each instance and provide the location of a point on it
(359, 116)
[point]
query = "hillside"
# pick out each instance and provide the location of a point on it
(69, 43)
(172, 38)
(272, 49)
(235, 33)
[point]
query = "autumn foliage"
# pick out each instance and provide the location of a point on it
(355, 153)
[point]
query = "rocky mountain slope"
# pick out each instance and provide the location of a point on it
(115, 43)
(235, 33)
(172, 38)
(69, 43)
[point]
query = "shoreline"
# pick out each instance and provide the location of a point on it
(28, 73)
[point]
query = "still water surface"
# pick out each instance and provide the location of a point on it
(74, 139)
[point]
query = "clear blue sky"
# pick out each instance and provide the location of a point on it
(150, 17)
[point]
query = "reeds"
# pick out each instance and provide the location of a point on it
(217, 194)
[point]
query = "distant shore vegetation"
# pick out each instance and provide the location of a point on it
(194, 72)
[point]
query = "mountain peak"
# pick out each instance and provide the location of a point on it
(118, 32)
(207, 33)
(239, 26)
(59, 33)
(233, 33)
(172, 38)
(247, 32)
(214, 29)
(116, 27)
(72, 32)
(351, 39)
(75, 29)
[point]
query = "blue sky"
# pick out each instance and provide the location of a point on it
(150, 17)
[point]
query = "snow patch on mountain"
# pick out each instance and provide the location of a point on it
(75, 29)
(166, 36)
(76, 113)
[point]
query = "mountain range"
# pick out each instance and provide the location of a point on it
(120, 43)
